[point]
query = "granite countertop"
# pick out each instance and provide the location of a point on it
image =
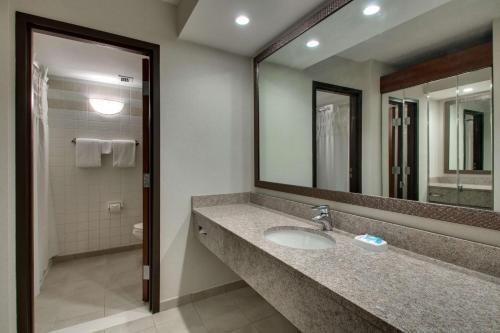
(409, 292)
(465, 186)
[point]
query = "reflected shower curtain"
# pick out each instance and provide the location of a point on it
(332, 147)
(44, 225)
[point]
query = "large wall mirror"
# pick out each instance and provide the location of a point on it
(397, 104)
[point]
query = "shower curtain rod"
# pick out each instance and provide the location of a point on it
(136, 142)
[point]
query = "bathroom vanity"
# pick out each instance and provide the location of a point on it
(388, 107)
(346, 288)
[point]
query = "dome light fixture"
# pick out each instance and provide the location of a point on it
(106, 106)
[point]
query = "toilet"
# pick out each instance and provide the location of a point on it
(138, 230)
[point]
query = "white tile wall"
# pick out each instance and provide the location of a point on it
(80, 196)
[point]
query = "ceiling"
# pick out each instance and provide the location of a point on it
(211, 22)
(86, 61)
(475, 88)
(456, 24)
(349, 27)
(403, 33)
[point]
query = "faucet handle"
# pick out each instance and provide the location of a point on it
(322, 208)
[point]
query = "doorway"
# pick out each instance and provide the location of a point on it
(82, 164)
(336, 137)
(403, 149)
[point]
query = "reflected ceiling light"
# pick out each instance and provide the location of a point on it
(312, 43)
(468, 90)
(106, 106)
(371, 10)
(242, 20)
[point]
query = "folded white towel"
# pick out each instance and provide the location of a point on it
(124, 153)
(88, 153)
(106, 147)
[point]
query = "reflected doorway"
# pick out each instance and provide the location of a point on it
(336, 138)
(403, 149)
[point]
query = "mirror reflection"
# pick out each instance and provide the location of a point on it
(371, 107)
(335, 109)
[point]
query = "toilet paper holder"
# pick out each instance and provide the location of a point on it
(115, 206)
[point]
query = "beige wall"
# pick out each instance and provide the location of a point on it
(496, 116)
(7, 232)
(285, 120)
(206, 132)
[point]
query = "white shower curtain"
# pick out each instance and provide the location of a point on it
(44, 225)
(332, 144)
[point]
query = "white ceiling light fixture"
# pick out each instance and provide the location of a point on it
(371, 10)
(312, 43)
(242, 20)
(468, 90)
(106, 106)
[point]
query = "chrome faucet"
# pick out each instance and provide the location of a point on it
(324, 217)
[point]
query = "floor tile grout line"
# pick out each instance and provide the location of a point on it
(83, 327)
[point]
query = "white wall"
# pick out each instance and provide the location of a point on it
(207, 139)
(436, 136)
(206, 132)
(496, 116)
(7, 232)
(285, 125)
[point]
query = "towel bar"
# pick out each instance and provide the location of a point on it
(136, 142)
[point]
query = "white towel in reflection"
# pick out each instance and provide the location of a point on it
(88, 153)
(123, 153)
(106, 147)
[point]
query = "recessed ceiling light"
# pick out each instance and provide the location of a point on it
(242, 20)
(371, 10)
(468, 90)
(106, 106)
(312, 43)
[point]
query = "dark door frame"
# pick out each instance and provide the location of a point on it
(412, 149)
(478, 148)
(25, 25)
(355, 122)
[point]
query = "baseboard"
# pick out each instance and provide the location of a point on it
(67, 257)
(184, 299)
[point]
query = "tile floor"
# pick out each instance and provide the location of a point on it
(88, 290)
(238, 311)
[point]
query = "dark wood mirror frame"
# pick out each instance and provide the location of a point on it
(474, 58)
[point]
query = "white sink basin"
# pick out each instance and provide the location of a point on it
(299, 238)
